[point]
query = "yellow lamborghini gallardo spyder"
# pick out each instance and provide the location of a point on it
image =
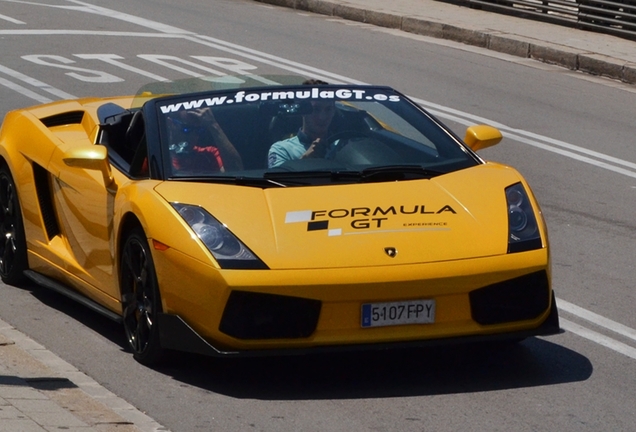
(244, 218)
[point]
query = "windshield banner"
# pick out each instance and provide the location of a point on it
(281, 95)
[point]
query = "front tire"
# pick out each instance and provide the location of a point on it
(13, 248)
(141, 299)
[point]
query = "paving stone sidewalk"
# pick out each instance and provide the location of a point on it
(41, 392)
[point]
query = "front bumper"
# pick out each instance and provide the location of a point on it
(214, 311)
(176, 334)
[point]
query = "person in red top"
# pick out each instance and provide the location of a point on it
(200, 145)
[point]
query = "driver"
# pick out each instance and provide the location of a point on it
(310, 141)
(201, 144)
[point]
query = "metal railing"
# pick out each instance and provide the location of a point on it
(617, 17)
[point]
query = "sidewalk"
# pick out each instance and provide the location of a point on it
(580, 50)
(39, 392)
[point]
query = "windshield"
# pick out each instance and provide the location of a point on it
(303, 135)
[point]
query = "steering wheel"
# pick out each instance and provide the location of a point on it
(345, 138)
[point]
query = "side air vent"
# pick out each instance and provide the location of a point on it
(72, 117)
(45, 199)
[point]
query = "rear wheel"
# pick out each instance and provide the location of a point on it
(141, 299)
(13, 249)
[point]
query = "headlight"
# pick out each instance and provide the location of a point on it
(229, 251)
(522, 224)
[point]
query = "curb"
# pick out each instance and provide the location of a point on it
(546, 52)
(30, 366)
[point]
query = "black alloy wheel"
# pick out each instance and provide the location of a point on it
(13, 249)
(140, 299)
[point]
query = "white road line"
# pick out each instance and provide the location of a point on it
(11, 20)
(97, 10)
(24, 91)
(273, 60)
(580, 158)
(516, 134)
(468, 119)
(113, 60)
(598, 338)
(110, 13)
(36, 83)
(597, 319)
(52, 32)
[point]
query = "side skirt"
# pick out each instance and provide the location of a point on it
(59, 288)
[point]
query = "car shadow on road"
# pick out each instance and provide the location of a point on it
(377, 374)
(399, 373)
(106, 327)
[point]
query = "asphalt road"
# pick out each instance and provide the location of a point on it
(571, 135)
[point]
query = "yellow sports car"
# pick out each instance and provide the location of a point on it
(245, 217)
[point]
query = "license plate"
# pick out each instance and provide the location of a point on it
(398, 313)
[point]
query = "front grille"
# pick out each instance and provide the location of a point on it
(519, 299)
(250, 315)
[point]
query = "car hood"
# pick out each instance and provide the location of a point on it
(450, 217)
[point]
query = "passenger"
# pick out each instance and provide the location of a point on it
(198, 143)
(309, 142)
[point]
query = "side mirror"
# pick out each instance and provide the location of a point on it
(94, 157)
(479, 137)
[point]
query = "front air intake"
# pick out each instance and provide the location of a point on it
(250, 315)
(518, 299)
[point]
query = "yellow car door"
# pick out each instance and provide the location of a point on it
(84, 196)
